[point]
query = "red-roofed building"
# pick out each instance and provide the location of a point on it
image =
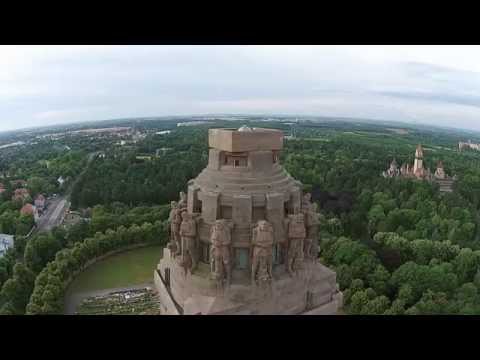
(21, 195)
(27, 209)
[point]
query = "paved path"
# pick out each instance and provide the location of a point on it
(73, 300)
(59, 206)
(54, 215)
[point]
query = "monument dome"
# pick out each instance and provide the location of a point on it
(244, 239)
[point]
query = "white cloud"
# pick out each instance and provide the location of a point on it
(41, 85)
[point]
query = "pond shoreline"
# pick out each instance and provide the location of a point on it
(73, 297)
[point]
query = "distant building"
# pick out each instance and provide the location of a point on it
(27, 209)
(164, 132)
(40, 203)
(72, 218)
(118, 131)
(2, 188)
(393, 170)
(162, 151)
(468, 145)
(137, 136)
(21, 195)
(6, 242)
(440, 172)
(19, 183)
(418, 171)
(193, 123)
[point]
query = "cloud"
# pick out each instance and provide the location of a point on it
(435, 97)
(42, 85)
(66, 114)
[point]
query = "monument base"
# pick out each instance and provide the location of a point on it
(310, 291)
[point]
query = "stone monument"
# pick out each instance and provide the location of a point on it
(244, 239)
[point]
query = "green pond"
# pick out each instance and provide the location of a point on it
(125, 269)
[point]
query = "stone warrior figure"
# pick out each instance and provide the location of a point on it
(262, 252)
(220, 263)
(188, 234)
(296, 235)
(182, 204)
(175, 220)
(312, 221)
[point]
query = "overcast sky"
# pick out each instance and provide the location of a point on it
(44, 85)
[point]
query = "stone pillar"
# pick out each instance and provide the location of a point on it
(242, 210)
(192, 199)
(296, 201)
(210, 206)
(275, 215)
(214, 159)
(260, 160)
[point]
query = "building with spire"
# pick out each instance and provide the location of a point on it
(419, 172)
(418, 169)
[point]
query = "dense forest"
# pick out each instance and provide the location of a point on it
(398, 246)
(140, 175)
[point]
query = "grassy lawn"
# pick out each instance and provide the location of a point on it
(124, 269)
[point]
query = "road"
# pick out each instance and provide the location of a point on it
(58, 207)
(91, 157)
(54, 214)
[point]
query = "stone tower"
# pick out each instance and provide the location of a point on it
(244, 239)
(418, 169)
(440, 172)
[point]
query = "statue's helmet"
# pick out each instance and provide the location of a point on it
(219, 223)
(262, 224)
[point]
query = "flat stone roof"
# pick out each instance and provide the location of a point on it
(233, 140)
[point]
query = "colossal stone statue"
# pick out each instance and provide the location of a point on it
(244, 221)
(182, 204)
(221, 239)
(175, 220)
(188, 234)
(312, 221)
(296, 235)
(262, 253)
(307, 200)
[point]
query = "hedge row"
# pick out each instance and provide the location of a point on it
(50, 285)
